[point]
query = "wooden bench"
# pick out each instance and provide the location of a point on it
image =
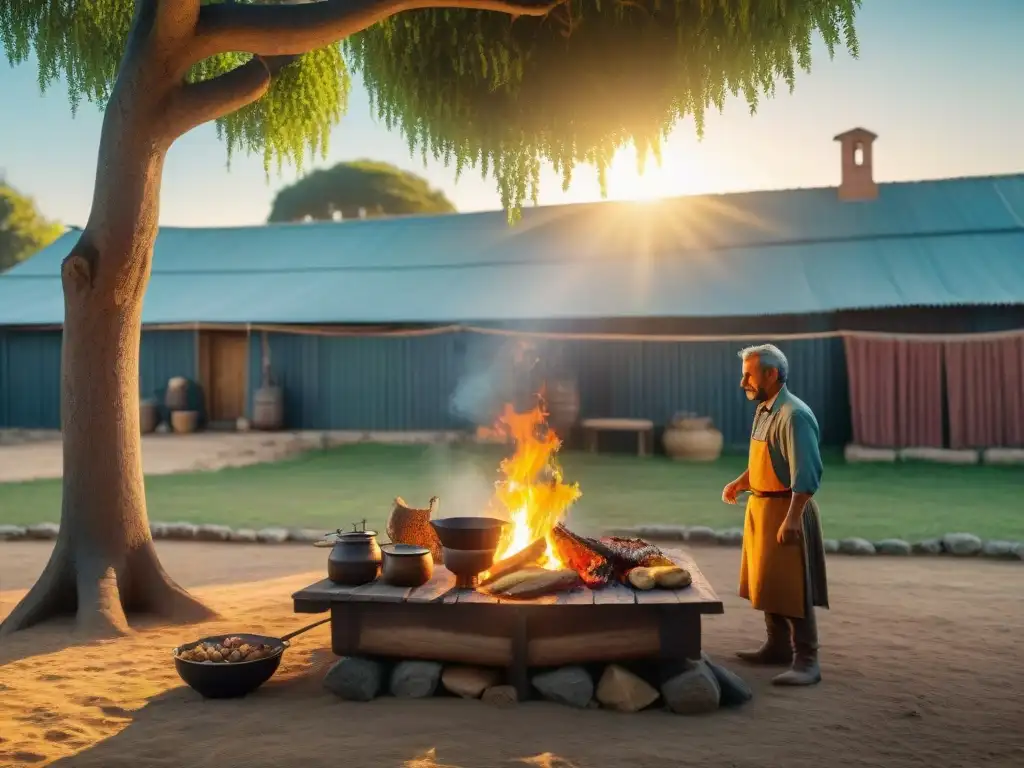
(644, 429)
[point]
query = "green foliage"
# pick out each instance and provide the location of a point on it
(306, 99)
(378, 188)
(482, 89)
(23, 230)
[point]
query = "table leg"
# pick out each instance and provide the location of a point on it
(345, 628)
(591, 440)
(679, 635)
(518, 673)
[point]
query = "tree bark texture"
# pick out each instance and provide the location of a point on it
(104, 565)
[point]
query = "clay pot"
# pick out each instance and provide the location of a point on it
(184, 422)
(149, 416)
(176, 398)
(692, 438)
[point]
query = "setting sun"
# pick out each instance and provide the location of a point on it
(678, 173)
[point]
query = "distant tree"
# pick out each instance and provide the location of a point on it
(23, 230)
(502, 85)
(378, 189)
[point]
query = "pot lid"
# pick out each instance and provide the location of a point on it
(409, 550)
(356, 535)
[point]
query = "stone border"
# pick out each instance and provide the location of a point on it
(953, 544)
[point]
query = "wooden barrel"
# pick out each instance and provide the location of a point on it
(176, 398)
(268, 409)
(149, 416)
(562, 398)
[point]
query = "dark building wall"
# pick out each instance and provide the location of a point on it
(30, 379)
(406, 383)
(361, 382)
(30, 372)
(377, 383)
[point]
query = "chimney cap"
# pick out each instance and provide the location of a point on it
(862, 134)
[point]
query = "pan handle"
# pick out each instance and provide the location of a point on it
(290, 635)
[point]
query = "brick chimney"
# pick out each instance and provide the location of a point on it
(858, 181)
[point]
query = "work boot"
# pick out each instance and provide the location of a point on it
(777, 650)
(805, 669)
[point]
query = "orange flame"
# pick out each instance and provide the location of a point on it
(531, 488)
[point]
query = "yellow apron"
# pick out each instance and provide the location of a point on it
(771, 574)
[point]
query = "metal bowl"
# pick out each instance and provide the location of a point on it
(476, 533)
(229, 680)
(468, 564)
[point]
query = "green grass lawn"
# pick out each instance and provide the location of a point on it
(332, 488)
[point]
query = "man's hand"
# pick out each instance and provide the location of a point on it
(791, 530)
(731, 491)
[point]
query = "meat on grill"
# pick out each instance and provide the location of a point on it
(598, 561)
(576, 552)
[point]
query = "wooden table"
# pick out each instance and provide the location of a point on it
(644, 429)
(440, 622)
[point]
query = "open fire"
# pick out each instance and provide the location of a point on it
(534, 496)
(531, 490)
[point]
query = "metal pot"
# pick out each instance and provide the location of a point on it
(406, 565)
(355, 556)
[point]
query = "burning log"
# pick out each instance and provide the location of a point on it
(592, 566)
(528, 556)
(510, 580)
(544, 583)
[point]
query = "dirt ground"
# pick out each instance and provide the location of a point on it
(922, 664)
(40, 455)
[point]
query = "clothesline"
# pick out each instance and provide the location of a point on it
(384, 332)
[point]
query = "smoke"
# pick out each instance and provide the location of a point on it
(494, 378)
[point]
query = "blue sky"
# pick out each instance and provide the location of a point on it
(938, 80)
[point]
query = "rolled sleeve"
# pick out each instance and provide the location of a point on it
(802, 453)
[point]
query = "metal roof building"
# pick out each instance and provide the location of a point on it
(928, 243)
(643, 304)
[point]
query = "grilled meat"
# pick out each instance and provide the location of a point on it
(576, 552)
(637, 553)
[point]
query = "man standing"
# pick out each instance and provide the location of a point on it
(782, 571)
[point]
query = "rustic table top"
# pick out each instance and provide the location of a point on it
(699, 596)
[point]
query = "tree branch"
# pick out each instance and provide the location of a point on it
(275, 30)
(175, 20)
(196, 103)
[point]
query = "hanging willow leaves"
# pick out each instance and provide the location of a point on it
(485, 90)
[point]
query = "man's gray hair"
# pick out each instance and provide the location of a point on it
(769, 356)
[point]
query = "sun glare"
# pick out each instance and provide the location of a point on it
(676, 175)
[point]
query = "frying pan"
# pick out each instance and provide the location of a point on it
(232, 680)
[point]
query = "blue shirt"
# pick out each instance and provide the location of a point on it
(788, 425)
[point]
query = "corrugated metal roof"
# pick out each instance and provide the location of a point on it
(955, 241)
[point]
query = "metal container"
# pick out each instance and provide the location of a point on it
(469, 532)
(468, 564)
(355, 557)
(406, 565)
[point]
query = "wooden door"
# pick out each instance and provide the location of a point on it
(224, 365)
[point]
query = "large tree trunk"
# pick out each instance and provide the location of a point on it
(104, 565)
